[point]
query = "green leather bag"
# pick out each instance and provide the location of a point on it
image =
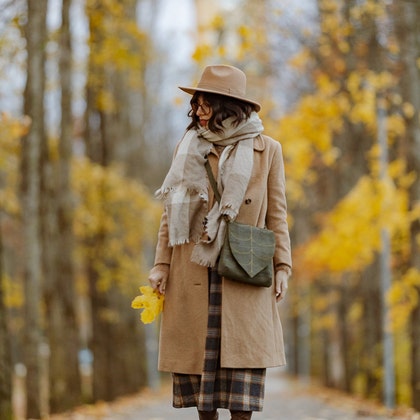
(247, 252)
(247, 255)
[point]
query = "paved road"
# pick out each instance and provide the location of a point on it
(285, 399)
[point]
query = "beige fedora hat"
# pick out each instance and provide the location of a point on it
(223, 80)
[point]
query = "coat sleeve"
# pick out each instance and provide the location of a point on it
(277, 210)
(163, 253)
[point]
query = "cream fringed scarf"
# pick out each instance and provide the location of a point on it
(185, 188)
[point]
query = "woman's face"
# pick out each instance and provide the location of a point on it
(203, 111)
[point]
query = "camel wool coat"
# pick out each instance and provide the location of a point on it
(251, 331)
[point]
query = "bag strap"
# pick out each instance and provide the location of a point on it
(213, 182)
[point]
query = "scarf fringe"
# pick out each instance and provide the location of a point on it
(161, 194)
(182, 241)
(202, 261)
(179, 242)
(229, 212)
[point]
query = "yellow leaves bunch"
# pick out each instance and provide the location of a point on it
(402, 298)
(150, 301)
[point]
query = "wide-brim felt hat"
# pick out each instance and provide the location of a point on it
(223, 80)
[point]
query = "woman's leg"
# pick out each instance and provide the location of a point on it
(208, 415)
(240, 415)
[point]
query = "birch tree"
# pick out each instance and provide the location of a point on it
(35, 34)
(57, 222)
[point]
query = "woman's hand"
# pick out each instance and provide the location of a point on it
(158, 277)
(281, 279)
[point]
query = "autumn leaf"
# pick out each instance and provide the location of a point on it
(150, 301)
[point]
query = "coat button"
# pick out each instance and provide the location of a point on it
(248, 201)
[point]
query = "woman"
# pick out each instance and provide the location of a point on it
(218, 336)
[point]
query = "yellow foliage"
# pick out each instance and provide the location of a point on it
(307, 133)
(355, 313)
(113, 220)
(11, 130)
(151, 302)
(371, 8)
(221, 50)
(326, 321)
(359, 383)
(243, 41)
(403, 366)
(117, 46)
(105, 101)
(395, 126)
(13, 293)
(202, 53)
(244, 31)
(363, 89)
(110, 315)
(218, 22)
(351, 232)
(402, 298)
(321, 304)
(408, 110)
(247, 41)
(329, 5)
(300, 59)
(344, 46)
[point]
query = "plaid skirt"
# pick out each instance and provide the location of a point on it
(216, 387)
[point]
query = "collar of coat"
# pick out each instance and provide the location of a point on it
(259, 143)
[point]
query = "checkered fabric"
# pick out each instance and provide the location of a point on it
(216, 387)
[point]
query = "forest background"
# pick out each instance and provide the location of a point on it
(90, 116)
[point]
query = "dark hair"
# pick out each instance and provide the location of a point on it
(223, 107)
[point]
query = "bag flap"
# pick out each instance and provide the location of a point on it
(252, 247)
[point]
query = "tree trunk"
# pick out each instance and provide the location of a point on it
(96, 148)
(65, 385)
(35, 33)
(115, 373)
(371, 337)
(5, 354)
(408, 32)
(343, 331)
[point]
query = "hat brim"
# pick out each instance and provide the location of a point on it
(193, 90)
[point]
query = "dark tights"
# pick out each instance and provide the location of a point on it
(235, 415)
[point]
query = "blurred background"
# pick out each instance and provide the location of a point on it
(90, 114)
